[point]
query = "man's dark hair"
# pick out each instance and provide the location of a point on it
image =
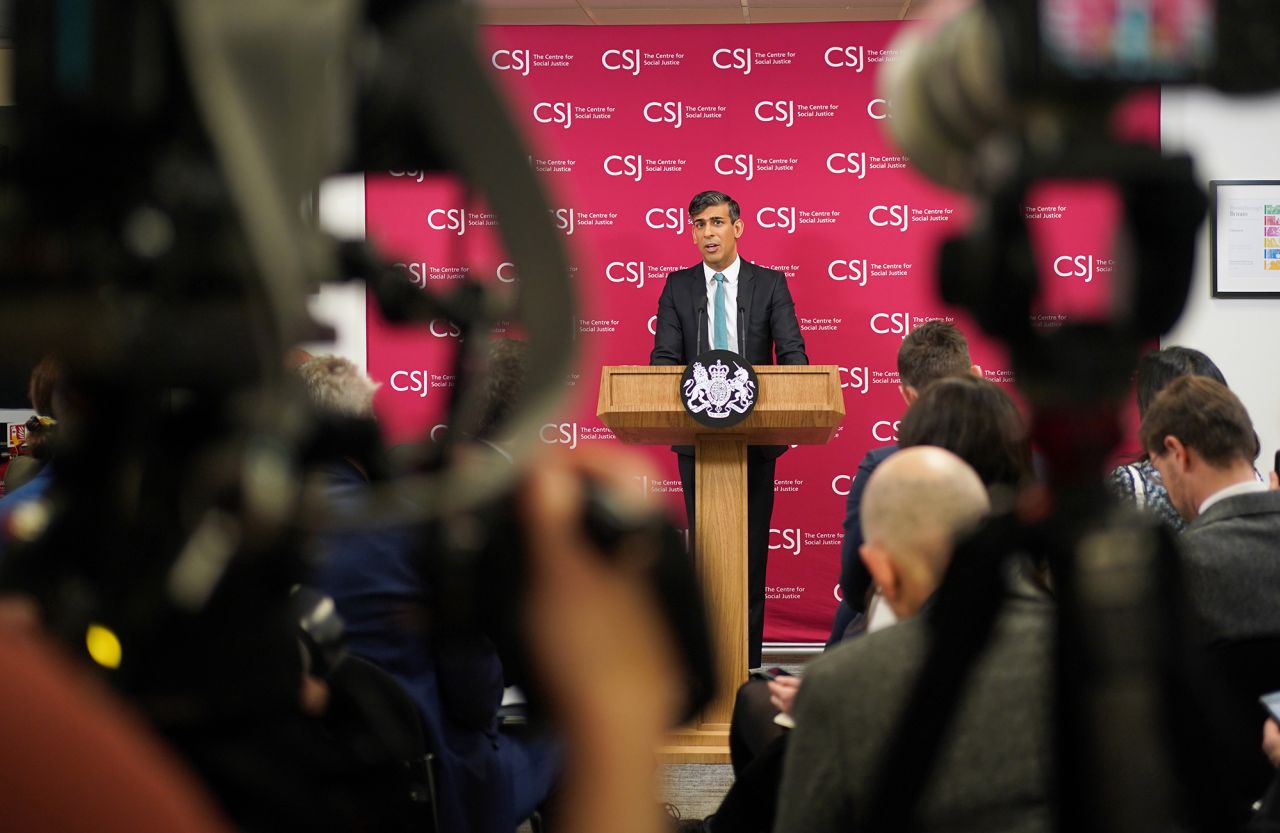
(975, 420)
(46, 378)
(1158, 368)
(707, 199)
(504, 385)
(1204, 415)
(932, 351)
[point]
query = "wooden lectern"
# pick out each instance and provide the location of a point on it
(796, 404)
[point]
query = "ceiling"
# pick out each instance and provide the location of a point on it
(634, 12)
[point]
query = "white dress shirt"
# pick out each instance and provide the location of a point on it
(731, 301)
(1242, 488)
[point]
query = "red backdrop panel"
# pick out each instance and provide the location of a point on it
(626, 124)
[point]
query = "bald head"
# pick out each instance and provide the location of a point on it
(915, 504)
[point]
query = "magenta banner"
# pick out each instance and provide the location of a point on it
(626, 124)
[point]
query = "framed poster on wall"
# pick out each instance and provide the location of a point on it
(1244, 238)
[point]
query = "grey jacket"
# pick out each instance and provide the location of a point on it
(1232, 566)
(994, 771)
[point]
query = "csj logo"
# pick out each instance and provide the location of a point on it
(857, 378)
(632, 271)
(448, 219)
(893, 216)
(621, 60)
(788, 540)
(783, 112)
(512, 60)
(845, 56)
(779, 218)
(444, 328)
(885, 323)
(506, 272)
(736, 164)
(554, 112)
(665, 112)
(732, 59)
(854, 271)
(665, 218)
(853, 164)
(411, 381)
(631, 165)
(564, 433)
(842, 484)
(884, 431)
(653, 325)
(417, 272)
(416, 176)
(880, 109)
(1077, 266)
(564, 220)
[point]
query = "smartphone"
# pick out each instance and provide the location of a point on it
(770, 673)
(1272, 703)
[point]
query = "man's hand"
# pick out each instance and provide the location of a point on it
(782, 694)
(601, 650)
(1271, 741)
(596, 634)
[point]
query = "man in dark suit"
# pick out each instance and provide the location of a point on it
(488, 779)
(934, 350)
(1201, 440)
(727, 303)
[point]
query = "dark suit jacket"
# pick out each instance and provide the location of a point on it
(375, 582)
(1232, 566)
(770, 322)
(855, 579)
(1231, 571)
(763, 293)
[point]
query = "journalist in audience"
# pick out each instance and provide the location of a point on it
(976, 420)
(992, 775)
(1139, 481)
(1199, 437)
(934, 350)
(488, 780)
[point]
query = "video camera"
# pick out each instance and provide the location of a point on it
(157, 214)
(1004, 99)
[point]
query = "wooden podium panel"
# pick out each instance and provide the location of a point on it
(796, 404)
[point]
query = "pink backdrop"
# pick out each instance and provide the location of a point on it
(626, 124)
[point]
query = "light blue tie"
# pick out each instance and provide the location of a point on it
(721, 340)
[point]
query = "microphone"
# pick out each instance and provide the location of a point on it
(742, 332)
(697, 338)
(703, 310)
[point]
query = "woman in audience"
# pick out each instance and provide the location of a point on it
(1139, 481)
(978, 422)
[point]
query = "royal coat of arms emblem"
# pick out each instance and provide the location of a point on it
(719, 388)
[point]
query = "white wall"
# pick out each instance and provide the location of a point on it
(1231, 138)
(342, 307)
